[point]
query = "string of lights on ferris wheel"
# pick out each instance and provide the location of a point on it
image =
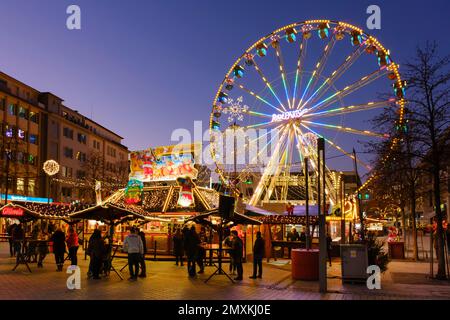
(312, 101)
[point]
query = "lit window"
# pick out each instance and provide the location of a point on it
(20, 185)
(12, 109)
(33, 139)
(23, 113)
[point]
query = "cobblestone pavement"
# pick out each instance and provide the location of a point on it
(165, 281)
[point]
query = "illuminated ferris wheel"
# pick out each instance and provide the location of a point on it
(318, 78)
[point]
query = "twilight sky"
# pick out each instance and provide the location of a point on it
(144, 68)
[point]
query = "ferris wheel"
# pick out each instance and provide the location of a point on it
(318, 78)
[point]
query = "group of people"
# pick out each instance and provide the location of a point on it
(36, 251)
(188, 242)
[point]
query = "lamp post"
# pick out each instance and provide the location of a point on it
(50, 167)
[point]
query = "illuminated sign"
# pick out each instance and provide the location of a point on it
(13, 197)
(12, 212)
(288, 115)
(133, 192)
(166, 163)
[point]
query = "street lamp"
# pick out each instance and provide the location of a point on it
(50, 167)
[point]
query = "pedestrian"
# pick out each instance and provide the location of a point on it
(135, 249)
(59, 247)
(258, 254)
(329, 247)
(142, 260)
(18, 237)
(10, 232)
(228, 242)
(201, 255)
(72, 245)
(178, 247)
(96, 251)
(192, 242)
(237, 252)
(42, 249)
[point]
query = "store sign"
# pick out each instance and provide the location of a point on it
(165, 163)
(12, 212)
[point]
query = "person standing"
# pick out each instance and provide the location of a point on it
(329, 247)
(72, 245)
(18, 237)
(59, 247)
(258, 254)
(10, 232)
(42, 249)
(178, 247)
(228, 241)
(142, 260)
(96, 251)
(192, 242)
(237, 252)
(135, 249)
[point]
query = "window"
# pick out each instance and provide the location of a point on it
(34, 117)
(12, 109)
(68, 152)
(68, 133)
(96, 144)
(32, 160)
(81, 156)
(81, 174)
(82, 138)
(23, 113)
(66, 172)
(2, 104)
(31, 187)
(20, 157)
(66, 192)
(33, 139)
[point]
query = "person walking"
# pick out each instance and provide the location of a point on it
(59, 247)
(258, 254)
(10, 232)
(178, 247)
(192, 242)
(18, 236)
(237, 252)
(72, 245)
(143, 273)
(42, 249)
(135, 249)
(96, 251)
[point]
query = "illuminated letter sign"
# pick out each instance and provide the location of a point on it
(12, 212)
(288, 115)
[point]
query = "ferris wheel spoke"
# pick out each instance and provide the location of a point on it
(337, 147)
(349, 109)
(344, 129)
(283, 73)
(349, 89)
(268, 170)
(259, 114)
(298, 73)
(335, 75)
(259, 97)
(316, 74)
(267, 83)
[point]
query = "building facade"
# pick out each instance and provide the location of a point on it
(37, 126)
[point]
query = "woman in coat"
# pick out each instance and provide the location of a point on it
(96, 251)
(72, 245)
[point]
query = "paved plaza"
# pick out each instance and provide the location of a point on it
(165, 281)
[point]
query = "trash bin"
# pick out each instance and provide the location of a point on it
(305, 264)
(354, 262)
(396, 250)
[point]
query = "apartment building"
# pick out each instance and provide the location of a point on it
(37, 126)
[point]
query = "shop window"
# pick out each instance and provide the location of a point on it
(21, 185)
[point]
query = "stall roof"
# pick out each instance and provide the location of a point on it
(237, 218)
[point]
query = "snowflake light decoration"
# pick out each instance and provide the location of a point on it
(235, 109)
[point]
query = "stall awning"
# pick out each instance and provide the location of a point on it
(16, 211)
(236, 219)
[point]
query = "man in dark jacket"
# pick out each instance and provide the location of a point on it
(18, 236)
(237, 252)
(192, 242)
(11, 242)
(258, 254)
(59, 247)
